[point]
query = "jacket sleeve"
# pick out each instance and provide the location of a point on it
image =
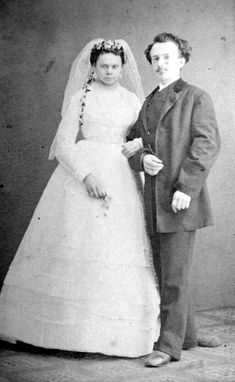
(69, 153)
(203, 150)
(136, 132)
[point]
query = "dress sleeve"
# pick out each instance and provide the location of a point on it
(137, 111)
(66, 150)
(136, 108)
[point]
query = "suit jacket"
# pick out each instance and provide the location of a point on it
(187, 141)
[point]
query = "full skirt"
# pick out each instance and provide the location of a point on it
(82, 278)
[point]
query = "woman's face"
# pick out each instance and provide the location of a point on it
(108, 68)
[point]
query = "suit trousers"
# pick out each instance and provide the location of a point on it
(172, 255)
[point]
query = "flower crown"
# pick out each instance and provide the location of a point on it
(109, 44)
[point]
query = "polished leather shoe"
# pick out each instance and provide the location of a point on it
(208, 341)
(157, 359)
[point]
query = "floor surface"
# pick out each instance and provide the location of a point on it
(21, 363)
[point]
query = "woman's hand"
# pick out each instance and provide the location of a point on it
(130, 148)
(93, 187)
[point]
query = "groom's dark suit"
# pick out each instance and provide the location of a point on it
(178, 124)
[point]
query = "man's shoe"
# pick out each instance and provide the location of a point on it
(157, 359)
(208, 341)
(189, 346)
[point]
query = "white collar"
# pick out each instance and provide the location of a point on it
(171, 82)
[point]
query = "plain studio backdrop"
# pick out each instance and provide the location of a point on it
(39, 41)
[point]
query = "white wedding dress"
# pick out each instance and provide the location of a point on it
(82, 278)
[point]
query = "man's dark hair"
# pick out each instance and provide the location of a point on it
(184, 47)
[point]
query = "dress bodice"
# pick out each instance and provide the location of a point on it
(109, 115)
(107, 118)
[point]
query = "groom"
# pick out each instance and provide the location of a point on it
(180, 144)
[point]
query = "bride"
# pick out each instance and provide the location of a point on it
(82, 278)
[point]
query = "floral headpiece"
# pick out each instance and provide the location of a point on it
(109, 44)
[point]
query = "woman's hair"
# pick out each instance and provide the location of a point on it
(184, 47)
(107, 47)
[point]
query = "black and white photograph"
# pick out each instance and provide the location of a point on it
(117, 178)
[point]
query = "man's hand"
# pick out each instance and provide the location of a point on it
(180, 201)
(130, 148)
(152, 165)
(93, 187)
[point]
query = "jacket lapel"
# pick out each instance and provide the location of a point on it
(172, 98)
(144, 109)
(170, 101)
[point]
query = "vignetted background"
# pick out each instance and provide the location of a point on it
(40, 39)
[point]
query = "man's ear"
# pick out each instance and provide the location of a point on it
(182, 62)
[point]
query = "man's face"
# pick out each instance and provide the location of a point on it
(166, 61)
